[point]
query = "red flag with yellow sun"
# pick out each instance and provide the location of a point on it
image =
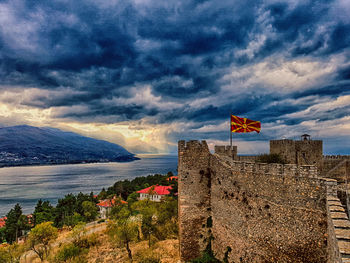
(243, 125)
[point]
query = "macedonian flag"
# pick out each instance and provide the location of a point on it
(244, 125)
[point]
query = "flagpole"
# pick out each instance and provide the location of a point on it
(230, 131)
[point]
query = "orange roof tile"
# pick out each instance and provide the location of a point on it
(110, 202)
(174, 177)
(2, 221)
(158, 189)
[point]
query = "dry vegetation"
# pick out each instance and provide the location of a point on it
(166, 251)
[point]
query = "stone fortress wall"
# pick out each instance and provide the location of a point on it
(253, 212)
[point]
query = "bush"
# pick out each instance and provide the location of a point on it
(4, 255)
(92, 240)
(87, 241)
(206, 258)
(147, 256)
(72, 253)
(270, 158)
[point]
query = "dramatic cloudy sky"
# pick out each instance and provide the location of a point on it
(146, 73)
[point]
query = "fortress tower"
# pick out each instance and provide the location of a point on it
(303, 152)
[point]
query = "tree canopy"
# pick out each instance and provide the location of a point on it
(40, 237)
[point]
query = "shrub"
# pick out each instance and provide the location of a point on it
(147, 256)
(40, 237)
(270, 158)
(205, 258)
(72, 253)
(92, 240)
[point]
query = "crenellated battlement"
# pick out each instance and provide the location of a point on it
(193, 153)
(282, 142)
(230, 151)
(336, 157)
(193, 146)
(309, 171)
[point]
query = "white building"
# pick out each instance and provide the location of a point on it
(154, 193)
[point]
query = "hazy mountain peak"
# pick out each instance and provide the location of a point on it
(24, 144)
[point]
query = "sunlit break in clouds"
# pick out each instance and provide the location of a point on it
(146, 73)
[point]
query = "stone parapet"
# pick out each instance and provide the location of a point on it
(247, 158)
(310, 171)
(336, 157)
(230, 151)
(338, 231)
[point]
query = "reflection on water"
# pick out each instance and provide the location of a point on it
(25, 185)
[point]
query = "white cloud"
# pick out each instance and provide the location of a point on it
(322, 107)
(277, 74)
(143, 96)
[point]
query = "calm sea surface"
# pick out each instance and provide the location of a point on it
(25, 185)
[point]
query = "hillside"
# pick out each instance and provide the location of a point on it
(27, 145)
(104, 251)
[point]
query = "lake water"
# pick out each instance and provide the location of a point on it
(25, 185)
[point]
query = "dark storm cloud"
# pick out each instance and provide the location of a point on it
(91, 52)
(344, 73)
(333, 90)
(114, 113)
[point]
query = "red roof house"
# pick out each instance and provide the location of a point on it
(109, 202)
(2, 222)
(154, 192)
(174, 177)
(106, 205)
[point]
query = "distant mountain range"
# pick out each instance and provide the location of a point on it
(27, 145)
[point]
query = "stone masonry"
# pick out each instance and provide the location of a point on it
(303, 152)
(254, 212)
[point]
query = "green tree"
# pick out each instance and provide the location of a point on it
(2, 235)
(102, 195)
(90, 210)
(70, 210)
(132, 198)
(43, 212)
(174, 189)
(148, 211)
(167, 217)
(40, 237)
(80, 199)
(15, 223)
(65, 210)
(123, 232)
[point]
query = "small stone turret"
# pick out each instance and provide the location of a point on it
(230, 151)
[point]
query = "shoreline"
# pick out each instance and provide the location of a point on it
(134, 158)
(25, 183)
